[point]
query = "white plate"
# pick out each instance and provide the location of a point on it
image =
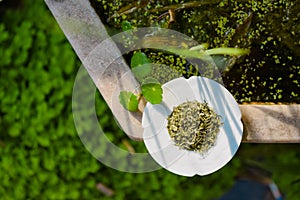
(184, 162)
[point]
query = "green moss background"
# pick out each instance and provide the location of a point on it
(41, 155)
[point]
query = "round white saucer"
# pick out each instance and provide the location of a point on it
(184, 162)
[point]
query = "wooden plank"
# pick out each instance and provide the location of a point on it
(100, 57)
(271, 123)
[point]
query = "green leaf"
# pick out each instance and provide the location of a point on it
(139, 59)
(43, 141)
(126, 26)
(129, 100)
(151, 90)
(141, 72)
(15, 130)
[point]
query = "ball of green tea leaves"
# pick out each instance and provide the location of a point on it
(194, 126)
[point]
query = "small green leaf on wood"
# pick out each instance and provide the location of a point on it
(139, 59)
(129, 101)
(151, 90)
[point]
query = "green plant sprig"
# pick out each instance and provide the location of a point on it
(150, 87)
(199, 51)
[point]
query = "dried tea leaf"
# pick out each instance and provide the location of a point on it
(194, 126)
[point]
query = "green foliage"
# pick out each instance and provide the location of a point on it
(129, 100)
(140, 65)
(141, 72)
(139, 59)
(150, 87)
(151, 90)
(126, 26)
(39, 148)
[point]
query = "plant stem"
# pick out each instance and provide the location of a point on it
(204, 53)
(228, 51)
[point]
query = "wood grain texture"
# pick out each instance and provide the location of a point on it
(100, 56)
(271, 123)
